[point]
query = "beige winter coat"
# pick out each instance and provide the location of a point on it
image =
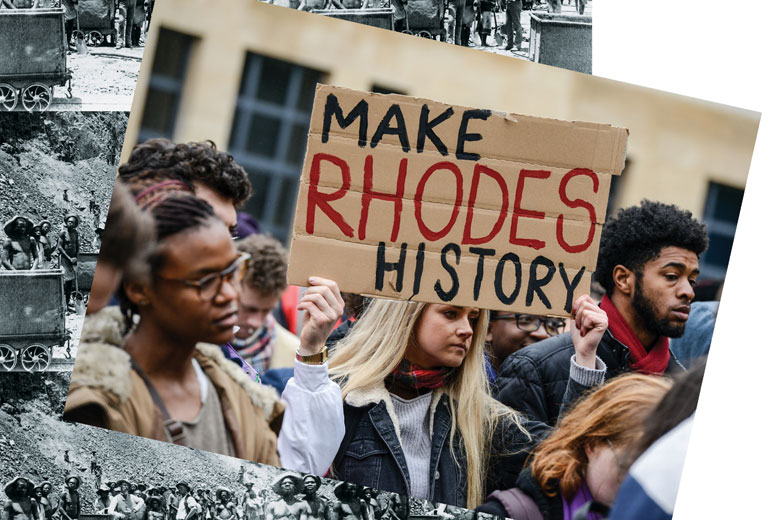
(104, 381)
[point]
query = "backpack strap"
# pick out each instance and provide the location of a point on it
(174, 428)
(518, 505)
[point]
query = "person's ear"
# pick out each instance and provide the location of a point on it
(589, 451)
(624, 280)
(137, 292)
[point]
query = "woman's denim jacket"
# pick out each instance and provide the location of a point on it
(371, 453)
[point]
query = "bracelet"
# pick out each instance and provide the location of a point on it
(313, 359)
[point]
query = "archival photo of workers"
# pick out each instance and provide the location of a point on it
(552, 32)
(71, 54)
(56, 179)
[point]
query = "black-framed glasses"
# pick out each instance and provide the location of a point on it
(208, 286)
(531, 323)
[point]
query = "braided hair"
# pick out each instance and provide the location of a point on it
(177, 213)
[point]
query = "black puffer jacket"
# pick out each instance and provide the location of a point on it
(534, 379)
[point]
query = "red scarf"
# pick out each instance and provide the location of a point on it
(415, 377)
(654, 362)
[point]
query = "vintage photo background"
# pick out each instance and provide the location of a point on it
(53, 164)
(35, 444)
(64, 55)
(551, 32)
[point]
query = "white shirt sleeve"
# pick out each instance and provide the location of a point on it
(112, 506)
(138, 502)
(193, 503)
(313, 424)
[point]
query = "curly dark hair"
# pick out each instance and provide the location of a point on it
(191, 162)
(637, 234)
(267, 267)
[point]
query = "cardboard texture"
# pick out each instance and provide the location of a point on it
(448, 204)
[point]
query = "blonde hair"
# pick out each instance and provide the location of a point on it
(377, 344)
(615, 413)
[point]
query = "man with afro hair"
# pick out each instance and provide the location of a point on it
(648, 265)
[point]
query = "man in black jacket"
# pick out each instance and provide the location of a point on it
(648, 265)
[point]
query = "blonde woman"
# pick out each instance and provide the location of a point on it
(419, 418)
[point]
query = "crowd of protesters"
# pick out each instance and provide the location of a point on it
(289, 496)
(526, 416)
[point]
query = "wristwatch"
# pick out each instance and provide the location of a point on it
(313, 359)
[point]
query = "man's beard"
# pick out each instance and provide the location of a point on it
(647, 313)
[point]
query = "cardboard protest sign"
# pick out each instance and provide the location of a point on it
(414, 199)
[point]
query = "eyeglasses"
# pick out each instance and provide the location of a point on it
(530, 323)
(209, 286)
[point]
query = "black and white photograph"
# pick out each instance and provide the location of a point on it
(551, 32)
(71, 55)
(56, 178)
(56, 470)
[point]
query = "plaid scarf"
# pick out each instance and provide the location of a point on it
(415, 377)
(258, 349)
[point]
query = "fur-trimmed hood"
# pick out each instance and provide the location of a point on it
(362, 397)
(102, 362)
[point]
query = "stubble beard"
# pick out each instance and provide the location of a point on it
(647, 314)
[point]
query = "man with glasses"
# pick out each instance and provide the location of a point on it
(648, 265)
(509, 332)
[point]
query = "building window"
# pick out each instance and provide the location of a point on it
(270, 129)
(165, 84)
(380, 89)
(720, 214)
